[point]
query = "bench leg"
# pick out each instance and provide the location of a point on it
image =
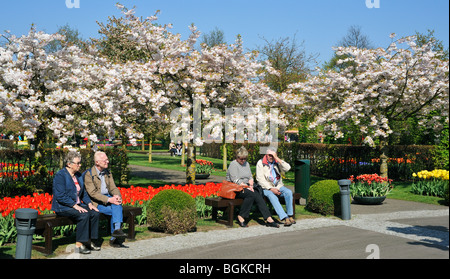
(293, 207)
(214, 213)
(48, 235)
(230, 214)
(130, 222)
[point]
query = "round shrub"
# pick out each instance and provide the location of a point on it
(172, 211)
(324, 198)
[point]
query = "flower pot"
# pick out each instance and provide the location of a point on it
(369, 200)
(201, 175)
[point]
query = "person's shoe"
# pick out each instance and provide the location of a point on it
(115, 243)
(242, 224)
(292, 220)
(82, 250)
(287, 222)
(272, 224)
(119, 234)
(94, 247)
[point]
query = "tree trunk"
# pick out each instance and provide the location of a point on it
(123, 177)
(150, 141)
(225, 165)
(40, 167)
(190, 165)
(183, 152)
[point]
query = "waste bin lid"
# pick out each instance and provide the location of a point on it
(302, 162)
(344, 182)
(26, 213)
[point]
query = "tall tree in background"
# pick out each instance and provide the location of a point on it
(70, 36)
(289, 58)
(354, 38)
(213, 38)
(378, 88)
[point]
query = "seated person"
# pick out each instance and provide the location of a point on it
(268, 175)
(71, 200)
(172, 148)
(239, 172)
(105, 195)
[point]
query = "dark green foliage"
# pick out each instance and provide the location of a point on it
(324, 198)
(172, 211)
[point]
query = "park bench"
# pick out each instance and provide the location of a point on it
(228, 206)
(46, 223)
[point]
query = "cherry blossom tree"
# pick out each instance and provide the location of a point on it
(377, 88)
(174, 75)
(45, 91)
(85, 92)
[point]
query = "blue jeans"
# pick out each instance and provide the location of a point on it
(113, 210)
(286, 193)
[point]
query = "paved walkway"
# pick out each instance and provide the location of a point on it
(396, 229)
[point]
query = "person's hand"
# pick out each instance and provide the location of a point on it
(274, 154)
(275, 191)
(115, 200)
(79, 208)
(251, 182)
(92, 207)
(119, 199)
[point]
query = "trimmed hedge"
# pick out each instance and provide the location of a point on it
(172, 211)
(324, 198)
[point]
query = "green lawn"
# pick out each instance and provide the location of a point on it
(172, 163)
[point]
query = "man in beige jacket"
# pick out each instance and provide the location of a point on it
(268, 175)
(104, 194)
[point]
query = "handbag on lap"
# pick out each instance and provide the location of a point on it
(229, 189)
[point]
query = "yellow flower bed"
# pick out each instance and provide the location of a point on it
(437, 174)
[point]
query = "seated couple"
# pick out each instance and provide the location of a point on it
(82, 197)
(270, 184)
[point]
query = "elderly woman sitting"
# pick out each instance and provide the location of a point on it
(70, 199)
(239, 172)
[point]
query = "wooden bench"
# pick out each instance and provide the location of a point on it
(228, 206)
(46, 223)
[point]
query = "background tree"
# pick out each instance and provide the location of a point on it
(213, 38)
(378, 88)
(354, 38)
(289, 58)
(70, 36)
(292, 64)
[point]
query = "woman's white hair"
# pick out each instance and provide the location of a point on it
(242, 152)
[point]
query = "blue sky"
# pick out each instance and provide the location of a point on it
(319, 23)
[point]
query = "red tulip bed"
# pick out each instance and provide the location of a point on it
(134, 196)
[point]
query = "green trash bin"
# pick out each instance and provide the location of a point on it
(302, 177)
